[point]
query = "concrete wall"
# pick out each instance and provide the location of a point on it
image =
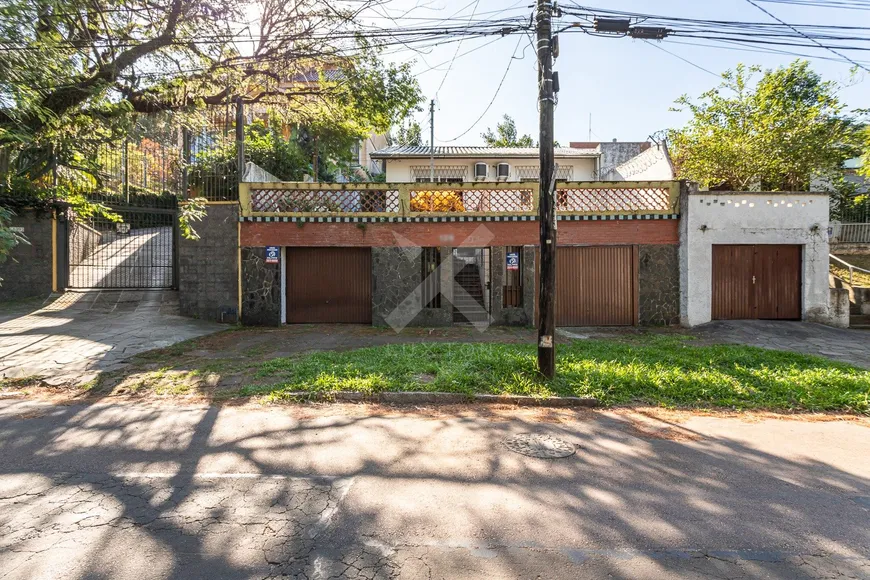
(654, 164)
(208, 276)
(27, 271)
(399, 170)
(710, 218)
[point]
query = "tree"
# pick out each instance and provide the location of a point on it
(77, 74)
(505, 135)
(410, 134)
(778, 135)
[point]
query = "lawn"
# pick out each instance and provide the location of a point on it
(659, 370)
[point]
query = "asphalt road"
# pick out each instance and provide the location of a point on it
(146, 491)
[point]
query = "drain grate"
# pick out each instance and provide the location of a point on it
(540, 446)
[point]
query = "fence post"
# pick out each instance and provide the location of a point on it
(240, 137)
(185, 160)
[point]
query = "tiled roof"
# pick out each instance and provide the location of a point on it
(411, 151)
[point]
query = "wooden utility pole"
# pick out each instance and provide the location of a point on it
(546, 204)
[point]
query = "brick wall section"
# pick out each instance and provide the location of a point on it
(261, 289)
(432, 234)
(26, 273)
(659, 285)
(208, 277)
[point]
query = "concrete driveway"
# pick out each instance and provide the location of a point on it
(145, 492)
(82, 333)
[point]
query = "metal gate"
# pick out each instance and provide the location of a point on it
(471, 285)
(756, 282)
(595, 285)
(138, 252)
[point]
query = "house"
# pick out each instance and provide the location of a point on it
(613, 161)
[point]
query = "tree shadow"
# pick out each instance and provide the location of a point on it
(220, 492)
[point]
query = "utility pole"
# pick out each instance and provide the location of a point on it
(546, 204)
(432, 141)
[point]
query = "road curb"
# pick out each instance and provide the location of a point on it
(438, 398)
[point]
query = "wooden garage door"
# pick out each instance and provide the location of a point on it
(329, 285)
(756, 282)
(595, 286)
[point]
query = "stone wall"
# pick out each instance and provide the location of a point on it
(659, 285)
(208, 276)
(510, 316)
(261, 289)
(27, 271)
(396, 293)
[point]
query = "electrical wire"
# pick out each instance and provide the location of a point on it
(804, 35)
(497, 90)
(685, 60)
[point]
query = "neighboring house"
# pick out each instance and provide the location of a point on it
(410, 164)
(612, 161)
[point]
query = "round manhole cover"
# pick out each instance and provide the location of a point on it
(541, 446)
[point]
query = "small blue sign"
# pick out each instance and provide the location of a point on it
(513, 260)
(273, 254)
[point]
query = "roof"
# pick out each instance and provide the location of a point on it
(414, 151)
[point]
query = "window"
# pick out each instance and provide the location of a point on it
(354, 152)
(438, 180)
(513, 277)
(431, 259)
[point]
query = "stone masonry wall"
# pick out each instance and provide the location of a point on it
(659, 285)
(396, 292)
(261, 289)
(26, 273)
(208, 277)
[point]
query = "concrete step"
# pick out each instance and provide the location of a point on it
(861, 321)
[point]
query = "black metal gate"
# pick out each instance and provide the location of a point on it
(138, 252)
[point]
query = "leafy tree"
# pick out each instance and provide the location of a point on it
(505, 135)
(75, 74)
(777, 134)
(410, 134)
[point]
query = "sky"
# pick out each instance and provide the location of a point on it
(627, 85)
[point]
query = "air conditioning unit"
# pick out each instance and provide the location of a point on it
(481, 170)
(503, 171)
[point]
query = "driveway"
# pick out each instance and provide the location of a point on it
(138, 492)
(82, 333)
(851, 346)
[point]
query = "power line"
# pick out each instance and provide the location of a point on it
(807, 37)
(687, 61)
(458, 46)
(486, 110)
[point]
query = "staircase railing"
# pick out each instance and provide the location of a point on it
(852, 269)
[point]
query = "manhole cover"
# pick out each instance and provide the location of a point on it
(542, 446)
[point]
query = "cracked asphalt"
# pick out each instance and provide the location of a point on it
(125, 490)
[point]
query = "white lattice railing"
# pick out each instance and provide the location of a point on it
(488, 199)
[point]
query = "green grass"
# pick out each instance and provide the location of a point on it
(658, 370)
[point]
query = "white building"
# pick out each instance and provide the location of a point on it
(594, 161)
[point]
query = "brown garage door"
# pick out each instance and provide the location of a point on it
(595, 286)
(329, 285)
(760, 281)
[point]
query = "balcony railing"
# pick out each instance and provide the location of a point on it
(414, 200)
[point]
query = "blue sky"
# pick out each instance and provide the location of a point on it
(627, 85)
